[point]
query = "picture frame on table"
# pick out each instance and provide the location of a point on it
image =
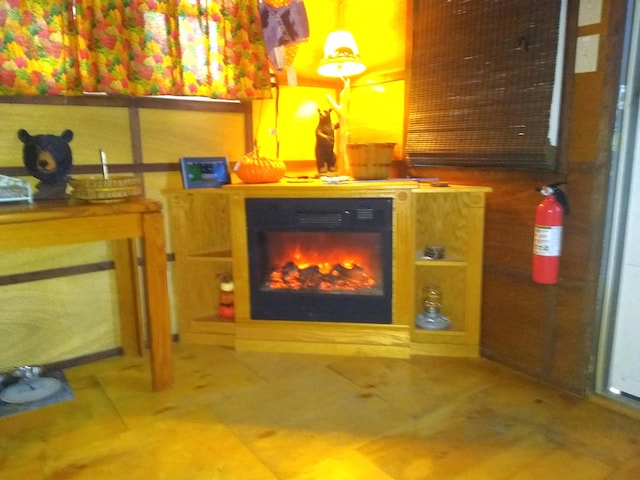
(204, 172)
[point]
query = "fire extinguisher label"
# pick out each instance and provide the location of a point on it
(547, 240)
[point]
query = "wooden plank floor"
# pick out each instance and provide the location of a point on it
(264, 416)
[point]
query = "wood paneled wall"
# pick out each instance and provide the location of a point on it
(549, 331)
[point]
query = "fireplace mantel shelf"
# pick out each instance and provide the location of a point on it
(209, 233)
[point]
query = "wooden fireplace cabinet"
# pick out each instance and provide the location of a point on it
(209, 239)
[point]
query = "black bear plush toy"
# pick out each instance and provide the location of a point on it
(325, 138)
(48, 158)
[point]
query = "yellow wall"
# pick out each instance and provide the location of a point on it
(378, 114)
(93, 128)
(296, 123)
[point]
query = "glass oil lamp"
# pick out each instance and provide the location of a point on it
(431, 318)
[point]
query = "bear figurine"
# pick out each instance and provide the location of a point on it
(325, 138)
(48, 158)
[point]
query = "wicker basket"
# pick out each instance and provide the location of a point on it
(113, 189)
(370, 161)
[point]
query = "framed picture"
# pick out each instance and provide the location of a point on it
(204, 172)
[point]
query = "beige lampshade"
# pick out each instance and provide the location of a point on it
(341, 56)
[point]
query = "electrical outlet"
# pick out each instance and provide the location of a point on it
(587, 53)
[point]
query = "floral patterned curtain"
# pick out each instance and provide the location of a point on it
(209, 48)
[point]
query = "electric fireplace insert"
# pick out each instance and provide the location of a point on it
(320, 259)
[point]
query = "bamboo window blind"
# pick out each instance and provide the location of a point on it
(481, 83)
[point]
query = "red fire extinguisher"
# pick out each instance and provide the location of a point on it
(547, 239)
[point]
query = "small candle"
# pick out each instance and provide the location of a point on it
(103, 161)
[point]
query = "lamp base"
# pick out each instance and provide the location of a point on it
(432, 320)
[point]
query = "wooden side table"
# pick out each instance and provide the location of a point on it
(59, 222)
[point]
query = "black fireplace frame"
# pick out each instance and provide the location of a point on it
(339, 215)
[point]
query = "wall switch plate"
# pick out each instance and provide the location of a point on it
(590, 12)
(587, 53)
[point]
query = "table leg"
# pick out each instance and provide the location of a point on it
(155, 261)
(126, 271)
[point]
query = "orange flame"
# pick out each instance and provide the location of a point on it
(352, 260)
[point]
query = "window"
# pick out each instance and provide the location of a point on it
(207, 48)
(484, 84)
